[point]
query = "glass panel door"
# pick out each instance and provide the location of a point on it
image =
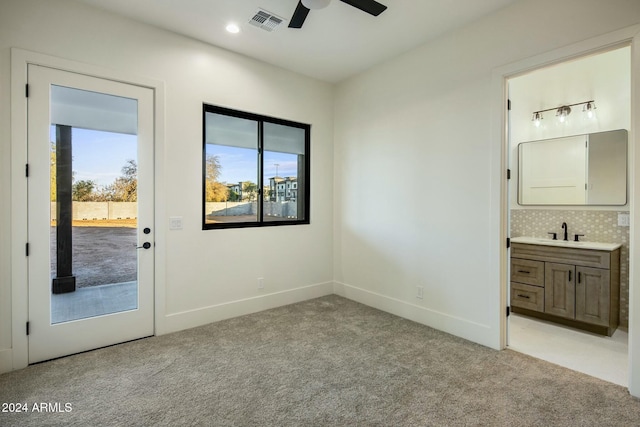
(93, 191)
(90, 212)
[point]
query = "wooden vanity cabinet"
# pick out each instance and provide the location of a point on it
(572, 286)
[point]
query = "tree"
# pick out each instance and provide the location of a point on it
(214, 191)
(125, 187)
(249, 191)
(82, 191)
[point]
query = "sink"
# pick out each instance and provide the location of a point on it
(566, 244)
(559, 242)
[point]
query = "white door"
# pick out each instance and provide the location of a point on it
(90, 225)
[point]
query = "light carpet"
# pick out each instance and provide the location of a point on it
(324, 362)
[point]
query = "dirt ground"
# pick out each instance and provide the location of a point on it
(128, 223)
(104, 252)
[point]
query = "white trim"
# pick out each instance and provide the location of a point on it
(626, 36)
(472, 331)
(202, 316)
(634, 235)
(6, 360)
(19, 210)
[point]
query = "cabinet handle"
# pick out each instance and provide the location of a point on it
(523, 296)
(569, 275)
(524, 271)
(579, 277)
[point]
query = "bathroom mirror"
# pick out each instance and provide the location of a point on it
(576, 170)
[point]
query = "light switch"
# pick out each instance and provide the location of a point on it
(175, 223)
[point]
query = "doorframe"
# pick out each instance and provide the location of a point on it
(20, 59)
(629, 36)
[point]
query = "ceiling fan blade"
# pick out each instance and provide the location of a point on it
(370, 6)
(299, 16)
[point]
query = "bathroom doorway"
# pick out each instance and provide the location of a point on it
(596, 88)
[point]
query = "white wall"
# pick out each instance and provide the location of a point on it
(203, 275)
(417, 132)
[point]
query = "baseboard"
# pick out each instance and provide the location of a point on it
(464, 328)
(6, 360)
(190, 319)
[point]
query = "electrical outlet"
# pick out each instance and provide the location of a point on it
(260, 283)
(623, 220)
(419, 292)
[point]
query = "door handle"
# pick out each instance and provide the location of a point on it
(145, 245)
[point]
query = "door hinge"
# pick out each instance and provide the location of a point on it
(508, 104)
(508, 242)
(508, 173)
(26, 170)
(28, 329)
(508, 311)
(26, 90)
(26, 249)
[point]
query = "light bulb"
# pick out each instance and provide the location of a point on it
(537, 117)
(562, 113)
(233, 28)
(315, 4)
(588, 108)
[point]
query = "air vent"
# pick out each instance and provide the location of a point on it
(266, 20)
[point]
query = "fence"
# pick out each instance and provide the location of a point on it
(277, 209)
(100, 210)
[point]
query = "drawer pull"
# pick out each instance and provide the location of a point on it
(524, 271)
(524, 296)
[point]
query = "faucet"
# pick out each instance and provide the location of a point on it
(564, 227)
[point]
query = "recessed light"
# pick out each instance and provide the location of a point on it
(233, 28)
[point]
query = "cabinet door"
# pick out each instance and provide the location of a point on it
(593, 295)
(559, 289)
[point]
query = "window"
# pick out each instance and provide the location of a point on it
(250, 163)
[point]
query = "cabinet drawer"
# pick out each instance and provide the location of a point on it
(527, 271)
(527, 296)
(575, 256)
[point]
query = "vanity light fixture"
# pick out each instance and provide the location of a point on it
(563, 111)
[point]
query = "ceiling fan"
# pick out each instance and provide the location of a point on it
(304, 6)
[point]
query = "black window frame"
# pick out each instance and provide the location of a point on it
(261, 119)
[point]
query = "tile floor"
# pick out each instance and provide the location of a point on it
(94, 301)
(599, 356)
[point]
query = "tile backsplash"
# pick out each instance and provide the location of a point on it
(597, 226)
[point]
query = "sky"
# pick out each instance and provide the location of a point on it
(241, 164)
(99, 156)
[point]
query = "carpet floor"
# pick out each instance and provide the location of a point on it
(323, 362)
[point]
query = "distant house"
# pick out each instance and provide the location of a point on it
(235, 189)
(283, 189)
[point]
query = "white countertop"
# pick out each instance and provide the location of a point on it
(566, 244)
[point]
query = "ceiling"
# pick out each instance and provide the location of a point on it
(334, 43)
